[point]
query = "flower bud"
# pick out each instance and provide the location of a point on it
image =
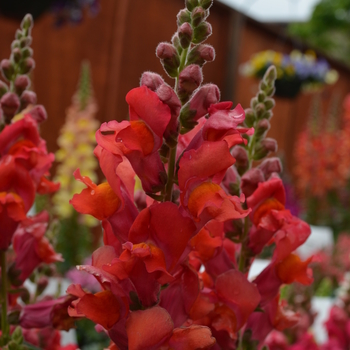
(27, 22)
(25, 41)
(198, 106)
(269, 166)
(205, 4)
(198, 16)
(189, 80)
(250, 181)
(19, 35)
(260, 110)
(168, 96)
(270, 75)
(269, 103)
(242, 161)
(28, 98)
(38, 113)
(261, 129)
(261, 96)
(175, 40)
(202, 32)
(151, 80)
(27, 52)
(9, 105)
(169, 58)
(231, 181)
(185, 33)
(3, 88)
(184, 16)
(7, 69)
(253, 102)
(22, 82)
(264, 148)
(16, 54)
(191, 4)
(15, 44)
(249, 117)
(201, 54)
(27, 65)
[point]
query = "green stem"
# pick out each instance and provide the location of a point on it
(183, 59)
(4, 324)
(242, 256)
(171, 173)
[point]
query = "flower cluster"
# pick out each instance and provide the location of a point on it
(76, 144)
(322, 150)
(174, 264)
(305, 68)
(24, 169)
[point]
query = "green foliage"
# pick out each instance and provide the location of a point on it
(328, 29)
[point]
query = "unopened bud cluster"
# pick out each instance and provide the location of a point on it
(259, 115)
(185, 56)
(14, 93)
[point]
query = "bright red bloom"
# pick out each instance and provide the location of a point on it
(152, 225)
(99, 201)
(290, 269)
(22, 141)
(31, 247)
(153, 329)
(274, 316)
(12, 211)
(140, 139)
(103, 308)
(200, 172)
(272, 221)
(227, 307)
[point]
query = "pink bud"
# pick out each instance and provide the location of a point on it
(27, 66)
(9, 104)
(202, 99)
(167, 95)
(185, 33)
(198, 106)
(28, 98)
(151, 80)
(22, 82)
(264, 148)
(165, 50)
(202, 32)
(269, 144)
(7, 69)
(199, 15)
(190, 79)
(201, 54)
(38, 113)
(169, 58)
(241, 156)
(250, 181)
(270, 165)
(206, 52)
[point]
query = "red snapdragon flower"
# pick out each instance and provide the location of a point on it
(31, 247)
(140, 138)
